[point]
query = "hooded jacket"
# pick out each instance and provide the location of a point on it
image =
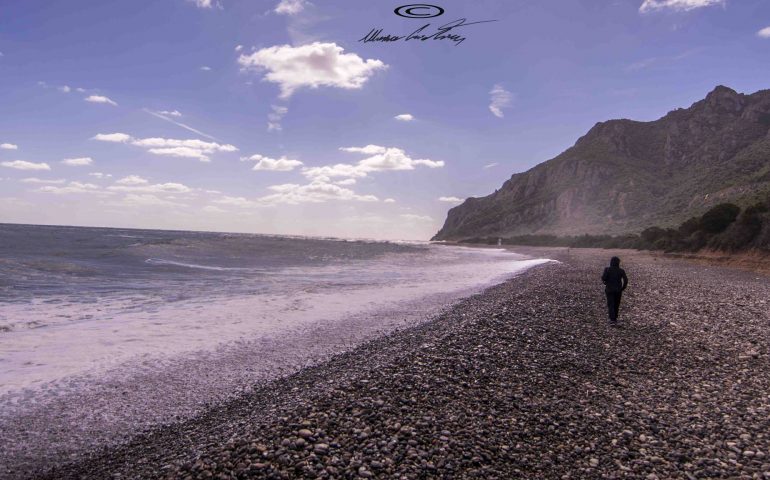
(614, 277)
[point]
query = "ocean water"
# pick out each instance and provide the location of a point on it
(79, 300)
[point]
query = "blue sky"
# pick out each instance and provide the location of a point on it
(270, 116)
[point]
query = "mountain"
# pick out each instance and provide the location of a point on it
(623, 175)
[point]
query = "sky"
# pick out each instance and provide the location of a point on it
(276, 117)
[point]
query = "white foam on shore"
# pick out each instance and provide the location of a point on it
(85, 337)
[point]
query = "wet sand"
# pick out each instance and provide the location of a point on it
(525, 380)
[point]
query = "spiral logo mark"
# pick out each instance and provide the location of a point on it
(419, 10)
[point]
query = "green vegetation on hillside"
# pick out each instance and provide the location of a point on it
(724, 228)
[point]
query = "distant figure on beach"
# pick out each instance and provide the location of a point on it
(615, 282)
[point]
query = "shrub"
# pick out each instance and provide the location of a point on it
(719, 217)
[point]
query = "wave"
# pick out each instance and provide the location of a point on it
(160, 261)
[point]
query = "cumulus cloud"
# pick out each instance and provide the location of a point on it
(65, 89)
(379, 159)
(238, 48)
(500, 98)
(72, 188)
(236, 202)
(189, 148)
(100, 99)
(677, 5)
(764, 33)
(450, 199)
(8, 146)
(213, 209)
(404, 117)
(145, 200)
(132, 180)
(313, 65)
(282, 164)
(290, 7)
(24, 165)
(112, 137)
(317, 191)
(151, 188)
(390, 200)
(78, 162)
(100, 175)
(43, 181)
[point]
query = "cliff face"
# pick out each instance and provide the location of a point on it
(623, 175)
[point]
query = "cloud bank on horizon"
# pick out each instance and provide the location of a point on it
(292, 125)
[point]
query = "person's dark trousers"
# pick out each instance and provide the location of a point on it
(613, 305)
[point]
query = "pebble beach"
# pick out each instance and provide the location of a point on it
(525, 380)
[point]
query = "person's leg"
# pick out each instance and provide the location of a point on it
(617, 304)
(611, 306)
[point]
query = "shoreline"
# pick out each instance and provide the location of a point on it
(523, 380)
(67, 418)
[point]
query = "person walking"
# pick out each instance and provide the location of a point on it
(615, 281)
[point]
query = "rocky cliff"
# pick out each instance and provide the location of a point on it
(624, 175)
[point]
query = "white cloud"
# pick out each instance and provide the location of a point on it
(347, 181)
(182, 152)
(274, 118)
(367, 150)
(112, 137)
(206, 68)
(8, 146)
(390, 200)
(100, 175)
(172, 113)
(764, 33)
(413, 217)
(236, 202)
(450, 199)
(677, 5)
(213, 209)
(24, 165)
(490, 165)
(72, 188)
(147, 188)
(238, 48)
(203, 3)
(78, 162)
(145, 200)
(317, 191)
(132, 180)
(500, 98)
(404, 117)
(43, 181)
(80, 90)
(290, 7)
(379, 159)
(100, 99)
(313, 65)
(65, 89)
(189, 148)
(282, 164)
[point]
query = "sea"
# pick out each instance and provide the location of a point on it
(77, 300)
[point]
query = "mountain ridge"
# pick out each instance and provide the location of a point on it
(625, 175)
